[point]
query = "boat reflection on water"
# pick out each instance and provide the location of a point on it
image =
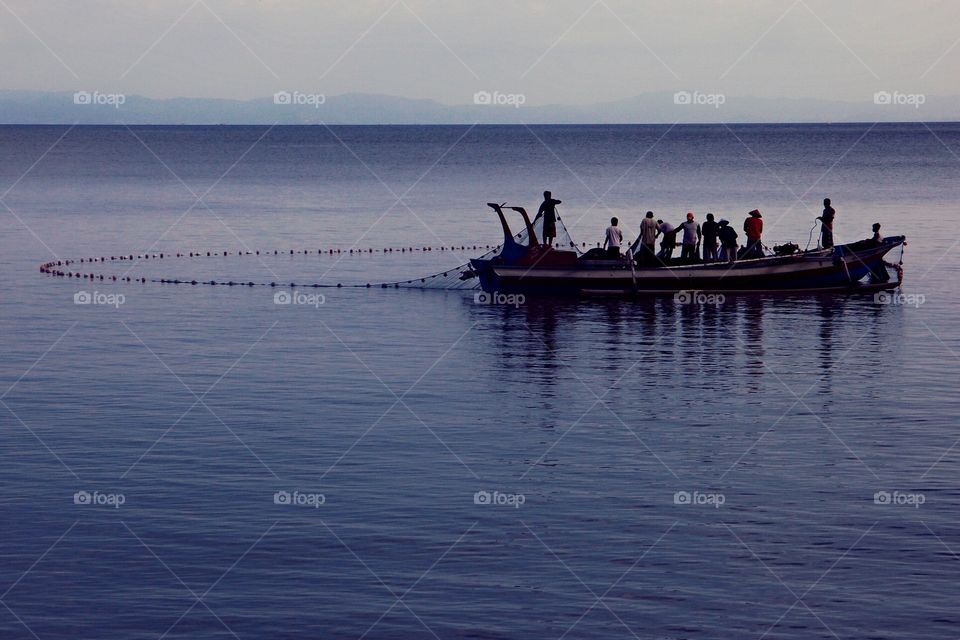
(748, 344)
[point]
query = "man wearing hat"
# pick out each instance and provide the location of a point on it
(753, 228)
(728, 241)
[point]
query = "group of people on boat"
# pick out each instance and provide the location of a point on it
(718, 239)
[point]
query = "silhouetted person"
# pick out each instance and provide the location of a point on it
(710, 229)
(879, 272)
(648, 239)
(613, 240)
(753, 228)
(690, 243)
(826, 226)
(549, 212)
(728, 241)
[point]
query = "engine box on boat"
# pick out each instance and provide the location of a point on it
(540, 257)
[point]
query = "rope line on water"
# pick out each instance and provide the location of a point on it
(59, 268)
(459, 277)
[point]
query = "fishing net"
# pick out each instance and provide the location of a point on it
(300, 268)
(454, 278)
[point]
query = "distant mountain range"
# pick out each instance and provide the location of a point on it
(31, 107)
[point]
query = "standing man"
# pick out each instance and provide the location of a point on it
(753, 228)
(549, 212)
(826, 227)
(648, 239)
(613, 240)
(728, 241)
(710, 230)
(689, 248)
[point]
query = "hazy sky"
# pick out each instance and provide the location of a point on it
(554, 51)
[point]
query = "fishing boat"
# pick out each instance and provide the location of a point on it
(523, 265)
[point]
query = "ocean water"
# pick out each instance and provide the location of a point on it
(199, 462)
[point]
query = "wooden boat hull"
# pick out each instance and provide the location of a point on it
(840, 269)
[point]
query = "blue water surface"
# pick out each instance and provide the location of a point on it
(200, 462)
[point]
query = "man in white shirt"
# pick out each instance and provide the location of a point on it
(689, 249)
(613, 240)
(669, 241)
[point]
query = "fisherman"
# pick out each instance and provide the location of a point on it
(879, 272)
(669, 242)
(826, 227)
(549, 212)
(648, 239)
(753, 228)
(710, 239)
(728, 241)
(690, 245)
(613, 240)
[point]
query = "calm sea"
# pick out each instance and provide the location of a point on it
(200, 462)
